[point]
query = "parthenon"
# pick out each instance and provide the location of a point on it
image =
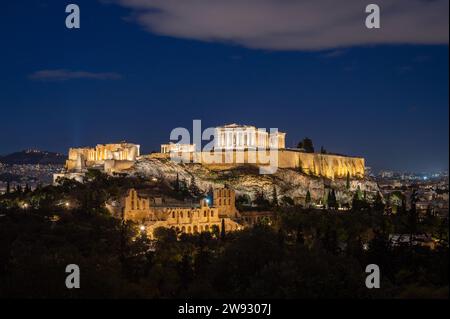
(245, 137)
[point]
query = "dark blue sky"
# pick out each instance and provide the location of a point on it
(388, 103)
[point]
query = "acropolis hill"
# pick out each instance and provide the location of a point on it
(235, 145)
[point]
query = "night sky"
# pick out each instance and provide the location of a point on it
(137, 69)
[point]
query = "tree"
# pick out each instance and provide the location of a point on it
(177, 183)
(323, 150)
(379, 204)
(261, 201)
(287, 201)
(243, 200)
(348, 181)
(210, 194)
(307, 145)
(185, 271)
(330, 240)
(215, 231)
(413, 217)
(402, 209)
(332, 201)
(193, 188)
(308, 198)
(274, 197)
(222, 230)
(300, 235)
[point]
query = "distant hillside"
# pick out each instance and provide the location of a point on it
(33, 157)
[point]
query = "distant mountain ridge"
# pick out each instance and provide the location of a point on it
(33, 157)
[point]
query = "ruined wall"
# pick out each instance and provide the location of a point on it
(330, 166)
(326, 165)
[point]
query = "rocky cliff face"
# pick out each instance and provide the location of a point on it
(247, 180)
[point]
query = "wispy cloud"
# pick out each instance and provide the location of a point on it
(294, 24)
(65, 75)
(334, 54)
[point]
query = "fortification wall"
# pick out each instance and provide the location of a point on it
(326, 165)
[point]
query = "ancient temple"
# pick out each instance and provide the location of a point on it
(245, 137)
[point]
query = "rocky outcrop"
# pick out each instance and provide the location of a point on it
(247, 180)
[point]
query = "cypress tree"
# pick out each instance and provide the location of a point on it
(332, 201)
(193, 188)
(378, 204)
(177, 183)
(274, 196)
(308, 197)
(348, 181)
(222, 231)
